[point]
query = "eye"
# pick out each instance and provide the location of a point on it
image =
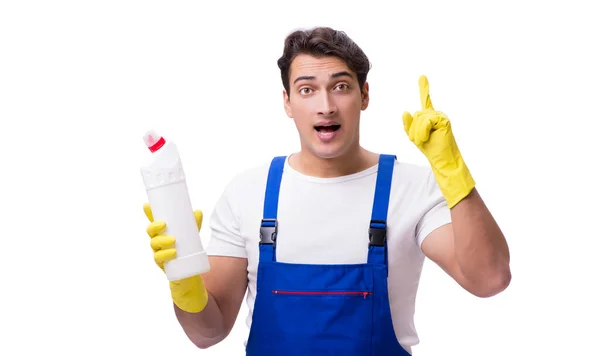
(305, 91)
(341, 87)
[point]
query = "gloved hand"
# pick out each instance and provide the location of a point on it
(188, 294)
(430, 131)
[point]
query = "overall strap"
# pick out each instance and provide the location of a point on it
(268, 225)
(378, 224)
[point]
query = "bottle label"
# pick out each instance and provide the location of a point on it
(159, 178)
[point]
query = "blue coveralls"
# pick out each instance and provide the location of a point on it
(307, 309)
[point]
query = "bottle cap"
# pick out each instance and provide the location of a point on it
(153, 141)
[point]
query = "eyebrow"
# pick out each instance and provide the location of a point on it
(334, 75)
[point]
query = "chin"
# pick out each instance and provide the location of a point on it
(328, 151)
(327, 155)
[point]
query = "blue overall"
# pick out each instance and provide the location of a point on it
(308, 309)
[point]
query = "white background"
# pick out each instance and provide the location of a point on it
(82, 81)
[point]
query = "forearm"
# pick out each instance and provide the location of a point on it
(205, 328)
(481, 249)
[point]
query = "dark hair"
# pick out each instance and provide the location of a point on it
(321, 42)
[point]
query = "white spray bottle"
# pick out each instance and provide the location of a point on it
(165, 182)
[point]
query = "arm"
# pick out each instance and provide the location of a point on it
(226, 286)
(227, 279)
(472, 250)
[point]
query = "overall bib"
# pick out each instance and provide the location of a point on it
(310, 309)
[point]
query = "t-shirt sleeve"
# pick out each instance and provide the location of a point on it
(436, 212)
(225, 237)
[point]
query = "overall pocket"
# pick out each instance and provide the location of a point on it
(319, 321)
(324, 293)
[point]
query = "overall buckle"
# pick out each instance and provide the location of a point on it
(268, 231)
(377, 234)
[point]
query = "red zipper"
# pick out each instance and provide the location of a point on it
(364, 294)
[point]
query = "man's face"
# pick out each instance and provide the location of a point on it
(325, 102)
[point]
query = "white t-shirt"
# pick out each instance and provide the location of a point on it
(326, 220)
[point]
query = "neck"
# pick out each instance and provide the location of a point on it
(352, 161)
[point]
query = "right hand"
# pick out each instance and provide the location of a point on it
(431, 132)
(188, 294)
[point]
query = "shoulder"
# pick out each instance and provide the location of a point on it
(248, 180)
(252, 174)
(417, 196)
(412, 170)
(412, 175)
(415, 187)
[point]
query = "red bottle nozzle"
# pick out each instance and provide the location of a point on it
(153, 141)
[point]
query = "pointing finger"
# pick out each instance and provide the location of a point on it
(424, 91)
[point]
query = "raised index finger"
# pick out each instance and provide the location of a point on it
(424, 91)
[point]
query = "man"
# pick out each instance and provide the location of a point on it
(329, 242)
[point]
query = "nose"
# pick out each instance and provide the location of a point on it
(326, 106)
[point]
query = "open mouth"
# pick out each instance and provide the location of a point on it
(327, 128)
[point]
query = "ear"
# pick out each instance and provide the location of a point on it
(365, 96)
(286, 104)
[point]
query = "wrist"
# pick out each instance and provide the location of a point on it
(189, 294)
(455, 181)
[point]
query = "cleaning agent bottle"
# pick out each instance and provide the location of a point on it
(167, 190)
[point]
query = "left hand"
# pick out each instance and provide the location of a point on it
(431, 132)
(189, 294)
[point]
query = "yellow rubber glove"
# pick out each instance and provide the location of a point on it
(188, 294)
(430, 131)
